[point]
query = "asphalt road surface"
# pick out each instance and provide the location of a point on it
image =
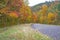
(52, 31)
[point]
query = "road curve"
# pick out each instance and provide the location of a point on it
(50, 30)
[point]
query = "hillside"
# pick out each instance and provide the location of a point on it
(37, 7)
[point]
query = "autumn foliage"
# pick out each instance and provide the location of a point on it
(16, 12)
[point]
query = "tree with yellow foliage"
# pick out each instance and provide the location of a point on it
(44, 9)
(42, 19)
(26, 12)
(51, 17)
(43, 13)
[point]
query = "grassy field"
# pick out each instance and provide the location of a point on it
(21, 32)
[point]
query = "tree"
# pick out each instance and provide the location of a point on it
(3, 3)
(43, 13)
(51, 17)
(34, 17)
(26, 12)
(26, 2)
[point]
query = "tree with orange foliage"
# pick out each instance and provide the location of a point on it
(10, 8)
(13, 14)
(34, 17)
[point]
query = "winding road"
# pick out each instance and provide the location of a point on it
(52, 31)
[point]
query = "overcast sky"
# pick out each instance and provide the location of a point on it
(34, 2)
